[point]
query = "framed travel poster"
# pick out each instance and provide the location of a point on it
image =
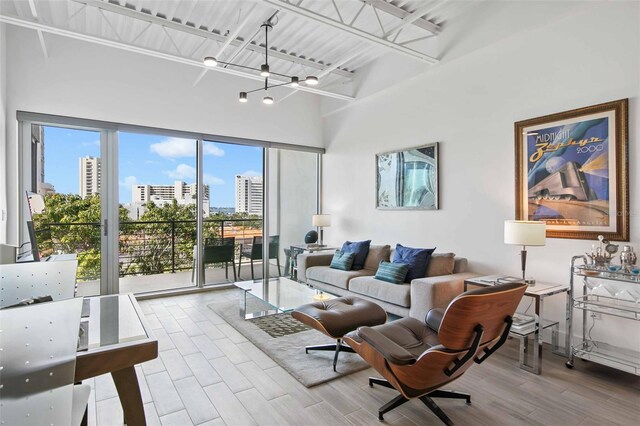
(572, 172)
(408, 178)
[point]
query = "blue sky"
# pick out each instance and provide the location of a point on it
(150, 159)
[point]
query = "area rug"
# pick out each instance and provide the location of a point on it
(279, 325)
(288, 350)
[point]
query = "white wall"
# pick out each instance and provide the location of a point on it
(86, 80)
(470, 103)
(3, 136)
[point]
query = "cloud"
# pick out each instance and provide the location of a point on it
(128, 182)
(176, 148)
(212, 180)
(92, 143)
(187, 173)
(251, 173)
(182, 172)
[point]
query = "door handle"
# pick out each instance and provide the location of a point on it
(105, 228)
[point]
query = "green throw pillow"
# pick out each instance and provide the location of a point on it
(392, 272)
(342, 260)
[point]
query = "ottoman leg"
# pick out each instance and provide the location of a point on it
(337, 347)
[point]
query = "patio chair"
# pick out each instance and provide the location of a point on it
(254, 252)
(219, 250)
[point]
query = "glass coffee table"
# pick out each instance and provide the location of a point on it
(276, 296)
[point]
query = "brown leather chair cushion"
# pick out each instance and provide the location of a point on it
(337, 317)
(409, 333)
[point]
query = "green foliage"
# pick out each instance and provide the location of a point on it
(160, 241)
(71, 224)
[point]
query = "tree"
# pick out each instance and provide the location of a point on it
(71, 224)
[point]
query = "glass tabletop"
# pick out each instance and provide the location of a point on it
(112, 320)
(538, 289)
(278, 295)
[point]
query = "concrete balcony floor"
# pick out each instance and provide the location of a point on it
(170, 281)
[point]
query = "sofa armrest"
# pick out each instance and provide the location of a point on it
(307, 260)
(435, 292)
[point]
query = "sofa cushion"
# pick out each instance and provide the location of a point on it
(441, 264)
(376, 255)
(360, 248)
(334, 277)
(398, 294)
(393, 273)
(417, 258)
(342, 260)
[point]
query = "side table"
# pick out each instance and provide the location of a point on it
(295, 250)
(538, 292)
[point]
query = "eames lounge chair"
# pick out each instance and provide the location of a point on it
(417, 359)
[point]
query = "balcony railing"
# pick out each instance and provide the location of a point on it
(146, 247)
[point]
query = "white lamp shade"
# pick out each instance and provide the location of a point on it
(525, 233)
(321, 220)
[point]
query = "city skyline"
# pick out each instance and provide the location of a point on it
(149, 160)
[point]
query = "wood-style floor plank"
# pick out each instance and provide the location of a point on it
(209, 374)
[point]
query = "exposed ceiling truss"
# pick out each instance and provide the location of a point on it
(383, 37)
(27, 23)
(342, 34)
(204, 32)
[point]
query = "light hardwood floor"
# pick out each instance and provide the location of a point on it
(207, 373)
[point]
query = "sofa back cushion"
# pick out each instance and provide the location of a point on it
(376, 255)
(441, 264)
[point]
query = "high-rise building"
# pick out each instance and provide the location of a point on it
(182, 192)
(249, 194)
(37, 145)
(90, 176)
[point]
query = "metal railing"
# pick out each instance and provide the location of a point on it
(146, 247)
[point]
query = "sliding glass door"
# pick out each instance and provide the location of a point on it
(146, 210)
(233, 212)
(157, 199)
(293, 194)
(62, 208)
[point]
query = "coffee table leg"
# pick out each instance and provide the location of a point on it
(126, 382)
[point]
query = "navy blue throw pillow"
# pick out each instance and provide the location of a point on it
(416, 258)
(361, 250)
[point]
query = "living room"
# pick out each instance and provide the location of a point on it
(498, 63)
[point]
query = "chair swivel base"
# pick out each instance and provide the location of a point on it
(337, 347)
(426, 400)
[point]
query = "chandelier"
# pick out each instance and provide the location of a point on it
(264, 71)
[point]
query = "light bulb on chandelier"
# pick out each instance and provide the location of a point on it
(267, 100)
(210, 61)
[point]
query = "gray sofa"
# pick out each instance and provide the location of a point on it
(444, 280)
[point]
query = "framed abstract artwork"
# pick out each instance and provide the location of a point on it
(572, 172)
(408, 178)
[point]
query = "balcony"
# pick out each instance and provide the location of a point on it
(153, 255)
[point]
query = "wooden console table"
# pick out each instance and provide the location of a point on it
(118, 339)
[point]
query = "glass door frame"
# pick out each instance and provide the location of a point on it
(109, 282)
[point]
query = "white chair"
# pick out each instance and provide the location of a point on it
(38, 344)
(20, 281)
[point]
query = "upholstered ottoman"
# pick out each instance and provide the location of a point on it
(337, 317)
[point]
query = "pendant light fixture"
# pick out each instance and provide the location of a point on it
(264, 70)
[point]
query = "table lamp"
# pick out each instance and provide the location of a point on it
(320, 221)
(525, 233)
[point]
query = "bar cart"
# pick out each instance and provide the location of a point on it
(597, 297)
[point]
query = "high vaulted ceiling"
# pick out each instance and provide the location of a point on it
(330, 39)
